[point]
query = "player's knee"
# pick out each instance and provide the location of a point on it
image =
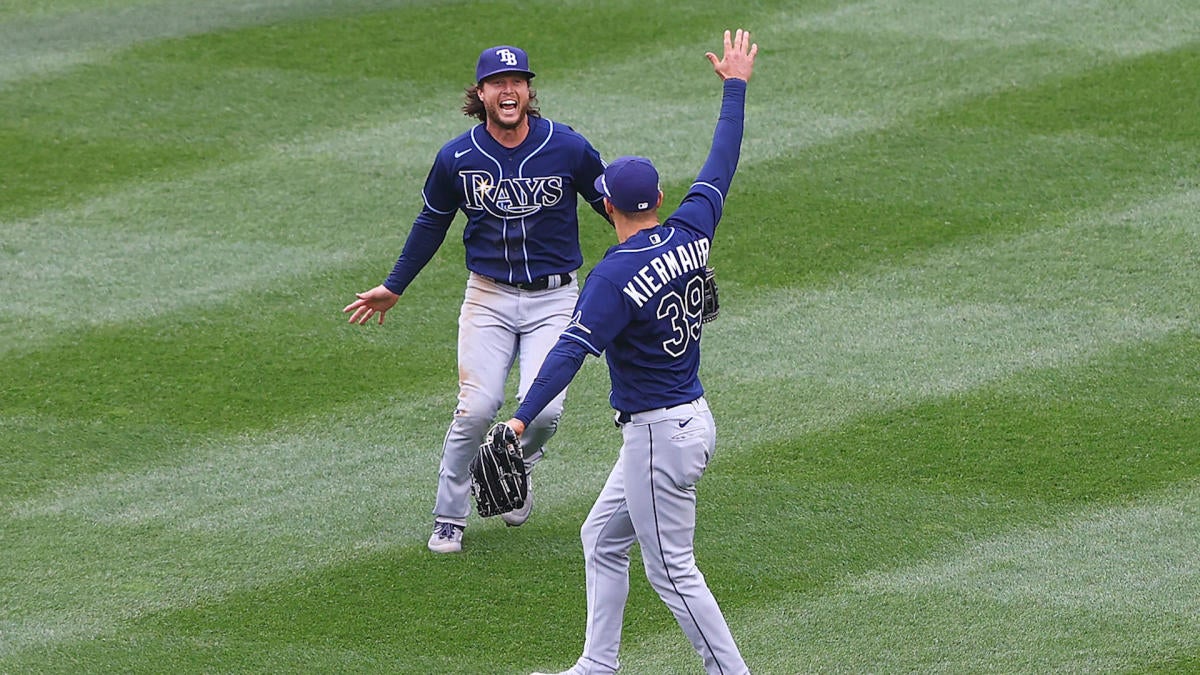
(588, 534)
(602, 555)
(478, 399)
(681, 577)
(470, 424)
(476, 408)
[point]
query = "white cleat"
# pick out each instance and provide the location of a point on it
(446, 537)
(517, 517)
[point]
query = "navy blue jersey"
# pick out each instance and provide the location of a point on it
(641, 307)
(641, 304)
(520, 204)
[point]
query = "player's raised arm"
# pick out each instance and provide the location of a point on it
(702, 207)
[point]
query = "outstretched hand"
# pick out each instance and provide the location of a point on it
(378, 300)
(738, 60)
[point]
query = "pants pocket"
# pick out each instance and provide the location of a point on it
(693, 452)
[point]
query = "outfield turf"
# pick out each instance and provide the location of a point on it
(955, 373)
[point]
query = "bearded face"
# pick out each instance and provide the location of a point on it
(505, 99)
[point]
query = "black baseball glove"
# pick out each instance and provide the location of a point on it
(712, 305)
(498, 480)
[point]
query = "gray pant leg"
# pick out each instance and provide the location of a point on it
(487, 346)
(661, 494)
(544, 316)
(607, 536)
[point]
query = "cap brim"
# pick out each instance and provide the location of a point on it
(527, 73)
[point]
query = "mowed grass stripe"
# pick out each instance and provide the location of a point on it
(1100, 590)
(995, 166)
(971, 314)
(269, 210)
(1126, 280)
(108, 275)
(282, 504)
(325, 191)
(798, 527)
(377, 604)
(249, 511)
(180, 246)
(165, 106)
(90, 133)
(1097, 26)
(45, 38)
(293, 48)
(826, 365)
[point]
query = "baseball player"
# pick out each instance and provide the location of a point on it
(641, 306)
(516, 177)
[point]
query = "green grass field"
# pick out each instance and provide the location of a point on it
(956, 370)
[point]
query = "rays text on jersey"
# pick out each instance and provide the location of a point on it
(510, 197)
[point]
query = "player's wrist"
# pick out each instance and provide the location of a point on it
(517, 425)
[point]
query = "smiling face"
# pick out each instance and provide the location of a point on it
(505, 99)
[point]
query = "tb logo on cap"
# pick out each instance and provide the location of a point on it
(507, 57)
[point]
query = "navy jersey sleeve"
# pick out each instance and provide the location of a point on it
(557, 371)
(701, 209)
(600, 315)
(429, 229)
(589, 169)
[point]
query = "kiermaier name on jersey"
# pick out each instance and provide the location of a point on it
(666, 266)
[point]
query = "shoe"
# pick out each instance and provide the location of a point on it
(517, 517)
(571, 671)
(446, 537)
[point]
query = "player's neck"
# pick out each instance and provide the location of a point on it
(509, 137)
(627, 227)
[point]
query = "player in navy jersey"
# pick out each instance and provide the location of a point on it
(641, 306)
(516, 176)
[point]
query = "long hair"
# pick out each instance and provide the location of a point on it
(473, 105)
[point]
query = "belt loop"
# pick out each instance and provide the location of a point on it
(558, 280)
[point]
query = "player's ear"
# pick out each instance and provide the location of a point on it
(660, 198)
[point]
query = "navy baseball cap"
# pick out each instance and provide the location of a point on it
(630, 183)
(502, 59)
